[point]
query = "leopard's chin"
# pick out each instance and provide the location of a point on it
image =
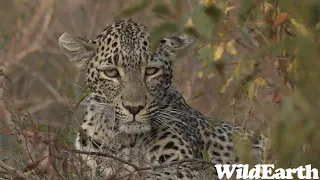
(134, 128)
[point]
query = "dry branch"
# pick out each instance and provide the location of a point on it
(20, 49)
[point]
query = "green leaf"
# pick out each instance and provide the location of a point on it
(84, 95)
(239, 69)
(205, 155)
(71, 135)
(206, 54)
(202, 22)
(42, 127)
(3, 158)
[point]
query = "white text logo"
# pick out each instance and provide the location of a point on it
(265, 171)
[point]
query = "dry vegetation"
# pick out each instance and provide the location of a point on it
(255, 62)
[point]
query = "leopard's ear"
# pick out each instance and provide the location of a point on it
(174, 43)
(78, 50)
(169, 46)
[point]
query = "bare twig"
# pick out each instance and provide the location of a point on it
(45, 104)
(104, 155)
(44, 11)
(53, 91)
(137, 168)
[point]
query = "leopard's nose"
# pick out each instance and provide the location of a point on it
(134, 109)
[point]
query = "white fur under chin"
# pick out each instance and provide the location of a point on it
(135, 128)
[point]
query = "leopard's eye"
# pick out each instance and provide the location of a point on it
(112, 73)
(151, 71)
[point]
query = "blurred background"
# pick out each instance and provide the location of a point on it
(45, 83)
(254, 61)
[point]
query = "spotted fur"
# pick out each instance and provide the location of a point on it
(135, 113)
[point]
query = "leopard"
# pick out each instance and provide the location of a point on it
(135, 113)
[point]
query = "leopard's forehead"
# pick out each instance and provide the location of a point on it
(124, 43)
